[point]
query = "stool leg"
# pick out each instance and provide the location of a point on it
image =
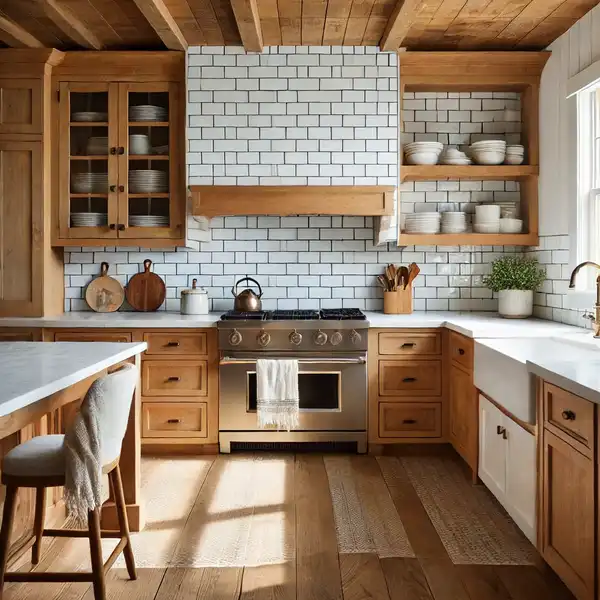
(8, 516)
(96, 554)
(38, 523)
(117, 489)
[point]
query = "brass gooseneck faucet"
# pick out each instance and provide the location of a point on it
(596, 319)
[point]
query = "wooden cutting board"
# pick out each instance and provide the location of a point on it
(146, 291)
(104, 294)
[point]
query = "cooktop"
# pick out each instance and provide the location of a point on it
(325, 314)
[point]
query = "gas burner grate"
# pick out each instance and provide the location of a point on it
(234, 315)
(293, 315)
(342, 314)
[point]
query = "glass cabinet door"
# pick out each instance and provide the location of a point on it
(150, 169)
(88, 148)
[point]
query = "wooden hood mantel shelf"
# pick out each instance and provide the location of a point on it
(226, 200)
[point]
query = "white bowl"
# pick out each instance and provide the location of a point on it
(479, 228)
(488, 144)
(514, 159)
(515, 149)
(487, 212)
(424, 144)
(422, 158)
(488, 157)
(511, 225)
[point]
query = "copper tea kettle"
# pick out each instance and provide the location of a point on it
(247, 300)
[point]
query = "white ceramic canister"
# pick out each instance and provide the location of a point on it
(194, 301)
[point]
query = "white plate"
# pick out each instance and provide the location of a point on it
(86, 116)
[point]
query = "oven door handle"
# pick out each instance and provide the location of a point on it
(361, 360)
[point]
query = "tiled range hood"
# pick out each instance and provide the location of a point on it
(223, 200)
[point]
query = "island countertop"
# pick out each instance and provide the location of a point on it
(31, 371)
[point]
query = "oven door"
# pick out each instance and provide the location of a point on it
(333, 394)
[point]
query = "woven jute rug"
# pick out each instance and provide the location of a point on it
(366, 519)
(473, 527)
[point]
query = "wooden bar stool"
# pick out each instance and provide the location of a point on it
(40, 463)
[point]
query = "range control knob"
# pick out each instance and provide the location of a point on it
(235, 338)
(355, 337)
(263, 339)
(320, 338)
(336, 338)
(295, 338)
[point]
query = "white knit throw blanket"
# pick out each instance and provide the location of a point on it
(83, 458)
(277, 396)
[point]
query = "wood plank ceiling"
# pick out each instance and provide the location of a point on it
(175, 24)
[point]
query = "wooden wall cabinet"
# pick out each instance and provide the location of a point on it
(31, 272)
(120, 168)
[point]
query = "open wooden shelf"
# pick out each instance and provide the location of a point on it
(148, 157)
(89, 123)
(468, 239)
(150, 195)
(89, 157)
(148, 123)
(88, 195)
(477, 172)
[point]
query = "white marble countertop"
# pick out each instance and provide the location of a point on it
(31, 371)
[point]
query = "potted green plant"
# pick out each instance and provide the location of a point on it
(515, 278)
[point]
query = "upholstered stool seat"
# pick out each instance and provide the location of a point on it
(41, 456)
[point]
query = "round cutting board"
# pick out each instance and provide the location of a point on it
(146, 291)
(104, 294)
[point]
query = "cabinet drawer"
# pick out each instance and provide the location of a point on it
(408, 419)
(93, 336)
(174, 378)
(174, 419)
(175, 344)
(410, 378)
(409, 344)
(569, 413)
(461, 350)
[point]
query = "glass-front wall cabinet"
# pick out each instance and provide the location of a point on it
(120, 168)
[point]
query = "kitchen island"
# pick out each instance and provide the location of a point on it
(42, 386)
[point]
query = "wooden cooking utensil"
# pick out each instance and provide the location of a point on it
(413, 271)
(104, 294)
(403, 280)
(146, 291)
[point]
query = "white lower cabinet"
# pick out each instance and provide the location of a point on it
(507, 465)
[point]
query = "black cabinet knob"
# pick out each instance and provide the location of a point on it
(121, 227)
(112, 226)
(461, 351)
(568, 415)
(173, 379)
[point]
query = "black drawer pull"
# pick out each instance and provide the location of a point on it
(173, 421)
(173, 378)
(408, 345)
(461, 351)
(409, 421)
(409, 379)
(568, 415)
(172, 344)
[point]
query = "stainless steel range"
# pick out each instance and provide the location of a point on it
(331, 347)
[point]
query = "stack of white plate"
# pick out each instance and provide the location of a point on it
(89, 219)
(89, 115)
(511, 225)
(97, 145)
(89, 183)
(514, 154)
(148, 221)
(146, 181)
(423, 153)
(139, 144)
(508, 209)
(453, 156)
(425, 222)
(454, 222)
(487, 218)
(488, 152)
(147, 112)
(161, 149)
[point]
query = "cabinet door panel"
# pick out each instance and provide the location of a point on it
(492, 448)
(463, 415)
(568, 523)
(521, 477)
(21, 108)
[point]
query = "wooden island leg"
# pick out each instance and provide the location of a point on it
(130, 470)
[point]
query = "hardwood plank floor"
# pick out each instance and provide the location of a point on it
(263, 527)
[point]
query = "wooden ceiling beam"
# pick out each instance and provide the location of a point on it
(69, 24)
(15, 36)
(404, 15)
(158, 15)
(248, 22)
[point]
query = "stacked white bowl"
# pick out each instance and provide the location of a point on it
(139, 143)
(508, 225)
(425, 222)
(514, 154)
(509, 209)
(487, 218)
(454, 222)
(453, 156)
(423, 153)
(488, 152)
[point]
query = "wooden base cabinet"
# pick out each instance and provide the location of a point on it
(568, 482)
(507, 465)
